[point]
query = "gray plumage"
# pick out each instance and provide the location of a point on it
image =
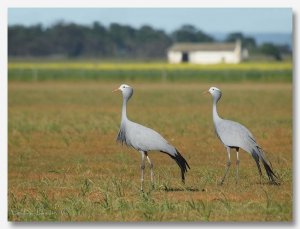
(234, 136)
(145, 139)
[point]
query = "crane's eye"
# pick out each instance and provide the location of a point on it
(123, 86)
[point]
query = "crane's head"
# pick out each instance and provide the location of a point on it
(215, 92)
(126, 90)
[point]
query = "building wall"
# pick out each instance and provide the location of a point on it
(213, 57)
(209, 57)
(174, 57)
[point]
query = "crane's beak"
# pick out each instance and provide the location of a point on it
(117, 89)
(205, 92)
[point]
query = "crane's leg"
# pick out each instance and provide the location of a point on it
(151, 170)
(142, 170)
(227, 165)
(237, 165)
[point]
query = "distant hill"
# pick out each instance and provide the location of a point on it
(275, 38)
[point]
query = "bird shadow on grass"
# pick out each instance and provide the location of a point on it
(179, 189)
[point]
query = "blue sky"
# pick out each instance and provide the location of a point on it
(220, 20)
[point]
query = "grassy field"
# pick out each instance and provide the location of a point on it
(64, 163)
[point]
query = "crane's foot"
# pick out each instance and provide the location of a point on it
(221, 183)
(153, 186)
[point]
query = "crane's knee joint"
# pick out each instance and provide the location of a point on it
(151, 166)
(237, 162)
(143, 167)
(228, 163)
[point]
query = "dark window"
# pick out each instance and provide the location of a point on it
(185, 57)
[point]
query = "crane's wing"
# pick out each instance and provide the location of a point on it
(145, 139)
(234, 134)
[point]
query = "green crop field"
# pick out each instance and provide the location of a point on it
(65, 165)
(149, 72)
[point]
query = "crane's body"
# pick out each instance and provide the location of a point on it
(144, 139)
(134, 135)
(235, 136)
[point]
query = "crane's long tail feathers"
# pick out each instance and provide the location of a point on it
(181, 162)
(270, 173)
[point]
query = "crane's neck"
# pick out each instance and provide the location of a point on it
(124, 114)
(216, 116)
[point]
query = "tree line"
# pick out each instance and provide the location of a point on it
(70, 40)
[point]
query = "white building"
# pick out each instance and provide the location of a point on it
(207, 53)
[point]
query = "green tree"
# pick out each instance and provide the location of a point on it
(247, 42)
(152, 43)
(271, 50)
(189, 33)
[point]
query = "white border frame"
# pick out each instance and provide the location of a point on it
(5, 4)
